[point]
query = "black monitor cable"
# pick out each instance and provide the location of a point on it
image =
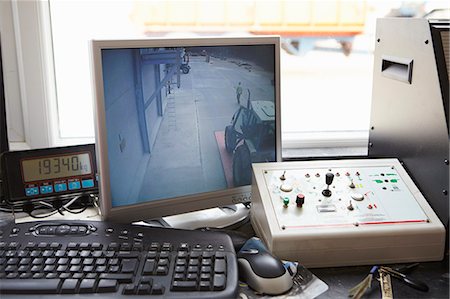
(82, 202)
(43, 209)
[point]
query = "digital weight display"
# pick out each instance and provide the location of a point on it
(48, 173)
(56, 167)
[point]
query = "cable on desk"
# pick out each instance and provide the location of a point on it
(7, 209)
(58, 207)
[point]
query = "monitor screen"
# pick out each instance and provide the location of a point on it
(180, 121)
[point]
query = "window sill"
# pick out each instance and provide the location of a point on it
(324, 144)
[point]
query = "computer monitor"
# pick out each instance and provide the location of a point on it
(180, 121)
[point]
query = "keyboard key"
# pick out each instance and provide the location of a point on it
(77, 275)
(30, 286)
(146, 279)
(49, 268)
(179, 276)
(38, 275)
(143, 289)
(50, 261)
(157, 289)
(128, 254)
(69, 286)
(64, 275)
(220, 255)
(88, 269)
(205, 277)
(192, 276)
(129, 265)
(25, 275)
(51, 275)
(183, 247)
(204, 285)
(88, 261)
(193, 262)
(220, 266)
(60, 253)
(129, 289)
(219, 282)
(121, 277)
(100, 262)
(149, 266)
(206, 262)
(91, 275)
(184, 286)
(75, 261)
(87, 286)
(107, 286)
(62, 268)
(75, 269)
(162, 270)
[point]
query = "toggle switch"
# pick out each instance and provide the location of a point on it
(350, 206)
(328, 180)
(352, 185)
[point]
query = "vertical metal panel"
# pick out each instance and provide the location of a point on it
(4, 146)
(408, 121)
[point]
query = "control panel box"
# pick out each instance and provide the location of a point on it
(344, 212)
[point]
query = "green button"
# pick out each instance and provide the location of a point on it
(394, 181)
(286, 201)
(379, 181)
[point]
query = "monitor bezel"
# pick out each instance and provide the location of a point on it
(177, 205)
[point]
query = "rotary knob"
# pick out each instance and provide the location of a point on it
(300, 200)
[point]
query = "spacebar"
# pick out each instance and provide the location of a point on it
(29, 286)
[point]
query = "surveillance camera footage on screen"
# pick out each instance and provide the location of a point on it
(187, 120)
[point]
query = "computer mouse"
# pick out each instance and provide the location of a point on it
(263, 272)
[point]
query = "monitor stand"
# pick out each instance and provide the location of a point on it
(222, 217)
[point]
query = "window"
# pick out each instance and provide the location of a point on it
(326, 65)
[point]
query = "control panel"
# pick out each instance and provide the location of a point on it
(305, 209)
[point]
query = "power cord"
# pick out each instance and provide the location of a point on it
(54, 208)
(43, 209)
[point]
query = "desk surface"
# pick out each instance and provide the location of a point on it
(341, 279)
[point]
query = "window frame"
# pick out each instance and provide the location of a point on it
(37, 92)
(35, 76)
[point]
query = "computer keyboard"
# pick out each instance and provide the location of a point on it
(114, 260)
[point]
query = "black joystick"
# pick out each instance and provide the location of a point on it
(328, 180)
